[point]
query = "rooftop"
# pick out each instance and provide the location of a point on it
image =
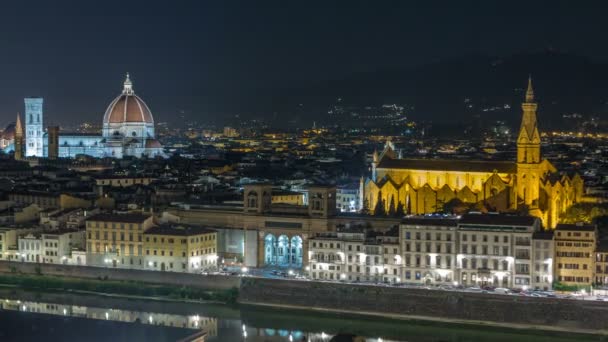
(123, 218)
(544, 235)
(576, 227)
(449, 165)
(430, 221)
(498, 220)
(178, 230)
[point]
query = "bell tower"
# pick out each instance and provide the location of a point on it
(528, 152)
(33, 127)
(18, 139)
(528, 141)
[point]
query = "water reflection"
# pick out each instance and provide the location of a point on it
(208, 324)
(67, 316)
(193, 322)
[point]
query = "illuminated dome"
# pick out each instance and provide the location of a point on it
(128, 108)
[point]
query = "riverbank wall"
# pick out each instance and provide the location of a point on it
(423, 304)
(209, 282)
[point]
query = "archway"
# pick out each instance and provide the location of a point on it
(296, 251)
(270, 250)
(283, 251)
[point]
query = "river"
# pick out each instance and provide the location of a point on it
(49, 316)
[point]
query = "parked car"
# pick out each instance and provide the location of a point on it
(502, 290)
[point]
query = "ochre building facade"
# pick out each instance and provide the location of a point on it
(422, 186)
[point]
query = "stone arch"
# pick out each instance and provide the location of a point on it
(252, 199)
(270, 250)
(295, 254)
(283, 250)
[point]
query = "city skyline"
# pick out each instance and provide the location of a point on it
(215, 61)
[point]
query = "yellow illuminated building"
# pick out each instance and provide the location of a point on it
(425, 186)
(575, 248)
(116, 240)
(180, 248)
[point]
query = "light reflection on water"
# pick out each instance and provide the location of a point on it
(194, 323)
(55, 316)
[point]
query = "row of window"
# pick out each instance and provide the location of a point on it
(573, 254)
(438, 248)
(192, 253)
(576, 234)
(114, 225)
(114, 235)
(572, 266)
(574, 244)
(418, 236)
(573, 279)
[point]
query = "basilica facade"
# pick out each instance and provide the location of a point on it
(128, 130)
(422, 186)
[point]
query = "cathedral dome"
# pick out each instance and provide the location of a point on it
(128, 108)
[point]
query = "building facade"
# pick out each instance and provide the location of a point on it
(543, 252)
(116, 240)
(496, 250)
(352, 254)
(128, 130)
(575, 246)
(428, 247)
(180, 248)
(601, 264)
(426, 186)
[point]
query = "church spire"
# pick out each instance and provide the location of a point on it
(18, 141)
(127, 86)
(18, 126)
(529, 91)
(528, 141)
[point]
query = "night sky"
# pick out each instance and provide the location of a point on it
(211, 59)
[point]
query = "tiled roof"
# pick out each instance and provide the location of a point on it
(448, 165)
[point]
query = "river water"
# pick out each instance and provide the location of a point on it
(49, 316)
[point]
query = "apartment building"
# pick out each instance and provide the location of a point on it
(428, 246)
(180, 248)
(116, 240)
(495, 250)
(543, 252)
(601, 264)
(575, 254)
(58, 247)
(352, 254)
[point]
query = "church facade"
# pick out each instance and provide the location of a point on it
(128, 130)
(422, 186)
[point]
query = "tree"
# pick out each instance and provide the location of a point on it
(391, 207)
(585, 212)
(365, 208)
(380, 210)
(455, 206)
(400, 211)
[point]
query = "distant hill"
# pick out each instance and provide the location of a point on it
(472, 88)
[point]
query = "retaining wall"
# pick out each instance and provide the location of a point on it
(211, 282)
(433, 304)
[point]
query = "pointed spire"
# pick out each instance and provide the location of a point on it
(529, 91)
(18, 126)
(128, 86)
(375, 158)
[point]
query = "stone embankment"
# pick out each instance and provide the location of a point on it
(448, 306)
(210, 282)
